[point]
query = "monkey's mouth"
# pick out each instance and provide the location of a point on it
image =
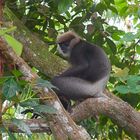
(64, 48)
(63, 52)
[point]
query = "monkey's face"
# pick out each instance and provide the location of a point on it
(64, 49)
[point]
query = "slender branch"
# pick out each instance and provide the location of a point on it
(134, 47)
(35, 125)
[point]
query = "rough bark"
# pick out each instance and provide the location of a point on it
(119, 111)
(35, 51)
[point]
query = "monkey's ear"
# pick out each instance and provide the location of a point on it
(74, 42)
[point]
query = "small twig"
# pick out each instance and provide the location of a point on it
(134, 47)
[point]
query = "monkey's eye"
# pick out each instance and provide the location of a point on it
(64, 44)
(64, 47)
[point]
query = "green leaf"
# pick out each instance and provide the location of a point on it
(11, 136)
(103, 120)
(133, 80)
(123, 10)
(27, 93)
(122, 89)
(30, 103)
(61, 19)
(115, 36)
(64, 5)
(8, 30)
(2, 32)
(98, 39)
(137, 35)
(5, 130)
(135, 89)
(16, 73)
(133, 85)
(10, 88)
(76, 21)
(111, 44)
(107, 2)
(139, 13)
(128, 37)
(22, 126)
(44, 83)
(114, 30)
(16, 45)
(3, 79)
(112, 1)
(138, 49)
(113, 9)
(120, 73)
(100, 7)
(119, 1)
(45, 109)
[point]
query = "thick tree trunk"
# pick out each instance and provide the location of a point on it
(35, 51)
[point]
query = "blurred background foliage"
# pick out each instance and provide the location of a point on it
(114, 25)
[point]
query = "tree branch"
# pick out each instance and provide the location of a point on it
(35, 125)
(113, 107)
(35, 51)
(121, 112)
(61, 124)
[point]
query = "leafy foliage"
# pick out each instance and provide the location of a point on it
(10, 88)
(21, 93)
(132, 85)
(111, 24)
(44, 83)
(16, 45)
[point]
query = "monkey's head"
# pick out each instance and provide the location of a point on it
(66, 42)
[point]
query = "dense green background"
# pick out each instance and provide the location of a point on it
(114, 25)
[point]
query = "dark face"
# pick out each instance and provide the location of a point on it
(63, 48)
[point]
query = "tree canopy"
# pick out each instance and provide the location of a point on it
(31, 27)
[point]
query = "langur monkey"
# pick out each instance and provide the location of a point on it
(89, 71)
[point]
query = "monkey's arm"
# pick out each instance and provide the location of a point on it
(75, 70)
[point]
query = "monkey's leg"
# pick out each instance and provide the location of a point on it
(65, 102)
(76, 88)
